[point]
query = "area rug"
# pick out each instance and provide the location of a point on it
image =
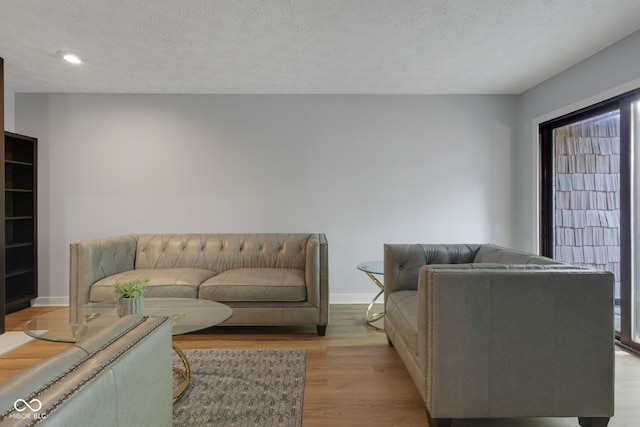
(241, 387)
(11, 340)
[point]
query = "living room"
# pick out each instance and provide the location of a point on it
(364, 164)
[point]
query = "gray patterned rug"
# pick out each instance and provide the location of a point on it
(243, 388)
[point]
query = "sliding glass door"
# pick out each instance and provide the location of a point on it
(590, 199)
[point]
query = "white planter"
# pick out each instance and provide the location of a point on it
(130, 306)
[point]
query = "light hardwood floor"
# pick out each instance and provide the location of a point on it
(353, 377)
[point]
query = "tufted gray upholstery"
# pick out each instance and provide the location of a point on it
(268, 279)
(221, 252)
(490, 332)
(403, 262)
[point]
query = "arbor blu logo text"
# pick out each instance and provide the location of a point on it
(21, 405)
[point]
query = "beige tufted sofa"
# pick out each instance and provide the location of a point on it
(491, 332)
(120, 376)
(268, 279)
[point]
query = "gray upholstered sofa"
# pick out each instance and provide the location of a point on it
(268, 279)
(490, 332)
(120, 376)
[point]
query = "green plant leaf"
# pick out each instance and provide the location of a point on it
(130, 289)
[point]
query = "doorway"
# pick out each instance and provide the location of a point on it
(588, 200)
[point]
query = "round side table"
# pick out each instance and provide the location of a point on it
(371, 268)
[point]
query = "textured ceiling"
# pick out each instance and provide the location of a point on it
(303, 46)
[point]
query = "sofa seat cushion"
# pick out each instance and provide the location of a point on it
(163, 283)
(402, 310)
(255, 284)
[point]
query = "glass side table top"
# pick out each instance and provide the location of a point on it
(70, 324)
(373, 267)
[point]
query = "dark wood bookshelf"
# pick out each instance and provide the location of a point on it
(2, 285)
(20, 242)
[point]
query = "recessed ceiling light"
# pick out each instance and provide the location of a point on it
(70, 57)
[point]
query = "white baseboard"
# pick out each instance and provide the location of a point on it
(333, 299)
(50, 301)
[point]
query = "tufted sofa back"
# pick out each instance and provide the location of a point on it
(402, 262)
(221, 252)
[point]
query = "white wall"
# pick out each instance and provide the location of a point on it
(365, 170)
(610, 72)
(9, 111)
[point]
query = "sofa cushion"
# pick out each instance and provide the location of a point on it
(402, 310)
(255, 284)
(163, 283)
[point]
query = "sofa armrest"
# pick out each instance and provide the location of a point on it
(519, 340)
(119, 377)
(316, 274)
(96, 259)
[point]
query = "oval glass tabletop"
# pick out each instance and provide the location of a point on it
(373, 267)
(70, 324)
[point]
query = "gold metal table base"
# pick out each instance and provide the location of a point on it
(373, 317)
(185, 373)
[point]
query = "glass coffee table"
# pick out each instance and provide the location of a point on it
(188, 315)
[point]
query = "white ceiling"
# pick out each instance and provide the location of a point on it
(303, 46)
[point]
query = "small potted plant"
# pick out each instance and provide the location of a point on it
(130, 296)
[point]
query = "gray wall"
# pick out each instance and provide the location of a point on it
(9, 110)
(365, 170)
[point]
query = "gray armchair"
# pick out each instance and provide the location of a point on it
(489, 332)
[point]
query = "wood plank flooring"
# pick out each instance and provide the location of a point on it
(353, 377)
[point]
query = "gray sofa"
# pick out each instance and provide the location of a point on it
(121, 376)
(490, 332)
(268, 279)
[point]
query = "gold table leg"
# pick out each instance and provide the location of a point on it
(369, 316)
(184, 373)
